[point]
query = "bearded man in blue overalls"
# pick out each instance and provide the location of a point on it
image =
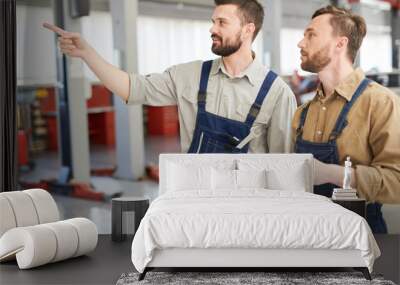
(233, 104)
(349, 116)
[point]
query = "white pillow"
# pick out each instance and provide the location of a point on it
(183, 177)
(288, 173)
(203, 160)
(223, 179)
(251, 179)
(292, 178)
(227, 179)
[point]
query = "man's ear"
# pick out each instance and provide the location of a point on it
(250, 29)
(342, 42)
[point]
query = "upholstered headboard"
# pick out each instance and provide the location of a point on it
(277, 161)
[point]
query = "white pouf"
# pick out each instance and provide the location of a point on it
(45, 206)
(37, 245)
(30, 230)
(22, 208)
(7, 218)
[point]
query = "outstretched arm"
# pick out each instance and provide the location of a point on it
(72, 44)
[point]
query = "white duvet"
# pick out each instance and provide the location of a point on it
(252, 218)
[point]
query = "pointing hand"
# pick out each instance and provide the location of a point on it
(71, 44)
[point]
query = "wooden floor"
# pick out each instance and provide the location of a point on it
(110, 259)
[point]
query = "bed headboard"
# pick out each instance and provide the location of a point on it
(213, 159)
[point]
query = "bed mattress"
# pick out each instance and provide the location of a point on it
(250, 219)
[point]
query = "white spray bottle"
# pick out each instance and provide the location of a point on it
(347, 174)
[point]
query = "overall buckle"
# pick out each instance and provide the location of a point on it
(333, 136)
(201, 97)
(254, 110)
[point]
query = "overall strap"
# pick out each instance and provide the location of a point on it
(262, 94)
(341, 121)
(202, 94)
(303, 116)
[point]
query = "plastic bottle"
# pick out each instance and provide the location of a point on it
(347, 174)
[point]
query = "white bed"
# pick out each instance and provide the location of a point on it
(216, 224)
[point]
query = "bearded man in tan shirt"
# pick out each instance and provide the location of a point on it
(349, 116)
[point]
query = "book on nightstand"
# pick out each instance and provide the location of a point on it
(344, 194)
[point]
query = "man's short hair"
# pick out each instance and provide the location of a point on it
(346, 24)
(251, 11)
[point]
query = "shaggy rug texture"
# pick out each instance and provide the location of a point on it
(243, 278)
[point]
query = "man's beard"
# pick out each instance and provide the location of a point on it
(318, 61)
(226, 49)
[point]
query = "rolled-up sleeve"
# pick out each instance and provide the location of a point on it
(157, 89)
(380, 181)
(279, 134)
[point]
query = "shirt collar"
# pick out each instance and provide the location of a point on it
(347, 87)
(251, 72)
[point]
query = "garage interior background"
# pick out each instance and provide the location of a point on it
(104, 148)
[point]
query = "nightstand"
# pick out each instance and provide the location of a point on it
(126, 214)
(356, 205)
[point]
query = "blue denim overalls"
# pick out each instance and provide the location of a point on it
(216, 134)
(328, 153)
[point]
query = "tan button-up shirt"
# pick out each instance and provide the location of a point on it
(371, 138)
(227, 96)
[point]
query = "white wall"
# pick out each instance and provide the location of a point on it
(97, 30)
(36, 47)
(290, 53)
(376, 50)
(164, 42)
(36, 63)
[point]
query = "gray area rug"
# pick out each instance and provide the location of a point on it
(229, 278)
